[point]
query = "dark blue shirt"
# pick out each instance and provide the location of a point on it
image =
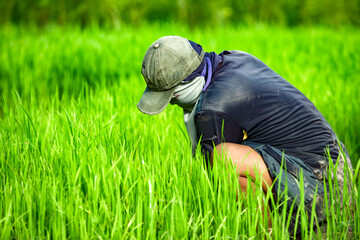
(246, 96)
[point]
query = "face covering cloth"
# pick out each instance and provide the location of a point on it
(187, 93)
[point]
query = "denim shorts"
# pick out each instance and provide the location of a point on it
(285, 171)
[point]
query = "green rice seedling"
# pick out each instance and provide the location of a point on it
(78, 160)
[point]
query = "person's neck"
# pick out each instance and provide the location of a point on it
(188, 108)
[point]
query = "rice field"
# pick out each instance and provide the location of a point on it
(79, 161)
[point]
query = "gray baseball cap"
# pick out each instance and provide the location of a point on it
(167, 62)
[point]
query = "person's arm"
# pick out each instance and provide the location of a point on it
(215, 128)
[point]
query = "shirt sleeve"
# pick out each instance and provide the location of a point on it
(215, 128)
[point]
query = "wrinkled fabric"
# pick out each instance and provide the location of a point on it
(186, 94)
(247, 98)
(288, 172)
(253, 98)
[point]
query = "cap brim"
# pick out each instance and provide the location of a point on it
(153, 102)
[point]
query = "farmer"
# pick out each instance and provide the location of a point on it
(236, 105)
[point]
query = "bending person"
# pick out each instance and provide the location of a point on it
(235, 102)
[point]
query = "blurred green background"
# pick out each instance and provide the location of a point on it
(114, 13)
